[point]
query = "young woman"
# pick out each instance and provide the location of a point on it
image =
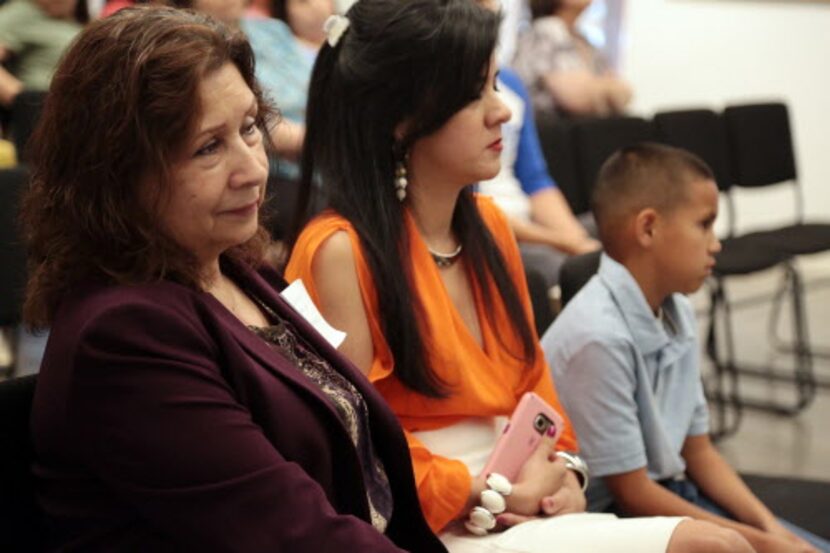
(426, 278)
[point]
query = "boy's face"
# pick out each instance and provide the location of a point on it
(685, 243)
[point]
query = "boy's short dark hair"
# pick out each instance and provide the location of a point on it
(640, 176)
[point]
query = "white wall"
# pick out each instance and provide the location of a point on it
(692, 53)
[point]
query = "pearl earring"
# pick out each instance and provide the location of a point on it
(401, 182)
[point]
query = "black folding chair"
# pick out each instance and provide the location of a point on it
(543, 313)
(25, 112)
(703, 132)
(556, 139)
(761, 145)
(576, 272)
(21, 520)
(12, 253)
(596, 139)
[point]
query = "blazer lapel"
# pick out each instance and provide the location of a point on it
(387, 435)
(258, 348)
(390, 445)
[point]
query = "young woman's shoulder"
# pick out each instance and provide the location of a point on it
(327, 227)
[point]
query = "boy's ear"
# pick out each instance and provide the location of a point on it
(645, 223)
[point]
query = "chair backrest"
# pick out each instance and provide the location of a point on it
(702, 132)
(760, 144)
(537, 286)
(576, 272)
(596, 139)
(12, 253)
(25, 112)
(21, 520)
(555, 137)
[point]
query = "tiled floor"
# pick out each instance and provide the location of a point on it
(767, 443)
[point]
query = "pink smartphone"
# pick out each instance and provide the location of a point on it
(532, 419)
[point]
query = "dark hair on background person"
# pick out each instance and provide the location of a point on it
(108, 124)
(371, 97)
(279, 10)
(543, 8)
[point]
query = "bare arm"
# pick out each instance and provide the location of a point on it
(550, 209)
(335, 278)
(719, 481)
(10, 87)
(638, 495)
(581, 92)
(288, 137)
(528, 231)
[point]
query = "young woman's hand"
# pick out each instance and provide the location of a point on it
(569, 498)
(542, 475)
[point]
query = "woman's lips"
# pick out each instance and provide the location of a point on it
(246, 209)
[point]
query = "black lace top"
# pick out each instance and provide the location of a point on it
(348, 403)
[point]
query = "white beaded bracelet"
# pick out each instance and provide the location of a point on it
(482, 518)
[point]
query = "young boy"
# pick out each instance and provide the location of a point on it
(625, 355)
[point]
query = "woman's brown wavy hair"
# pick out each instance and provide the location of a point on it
(120, 109)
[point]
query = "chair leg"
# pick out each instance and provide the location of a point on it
(789, 346)
(801, 376)
(725, 395)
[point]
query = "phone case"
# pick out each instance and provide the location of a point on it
(532, 418)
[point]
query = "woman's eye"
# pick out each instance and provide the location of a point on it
(249, 129)
(210, 148)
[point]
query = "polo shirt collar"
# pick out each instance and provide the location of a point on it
(646, 329)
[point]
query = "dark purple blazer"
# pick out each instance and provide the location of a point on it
(161, 423)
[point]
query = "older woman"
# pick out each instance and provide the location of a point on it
(182, 404)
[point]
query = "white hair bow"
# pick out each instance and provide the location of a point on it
(334, 27)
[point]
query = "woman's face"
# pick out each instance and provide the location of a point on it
(468, 147)
(306, 18)
(226, 11)
(218, 184)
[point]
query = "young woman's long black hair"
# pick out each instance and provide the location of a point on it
(417, 62)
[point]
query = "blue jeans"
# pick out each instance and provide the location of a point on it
(688, 491)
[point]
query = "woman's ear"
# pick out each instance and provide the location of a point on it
(402, 130)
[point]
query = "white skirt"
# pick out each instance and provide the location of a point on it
(472, 440)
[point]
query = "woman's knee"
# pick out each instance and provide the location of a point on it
(697, 536)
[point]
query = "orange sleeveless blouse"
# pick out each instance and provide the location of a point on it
(484, 381)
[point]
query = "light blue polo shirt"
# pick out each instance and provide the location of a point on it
(629, 381)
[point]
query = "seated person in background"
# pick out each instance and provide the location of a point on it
(283, 60)
(566, 75)
(285, 51)
(33, 37)
(426, 280)
(625, 356)
(542, 220)
(182, 404)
